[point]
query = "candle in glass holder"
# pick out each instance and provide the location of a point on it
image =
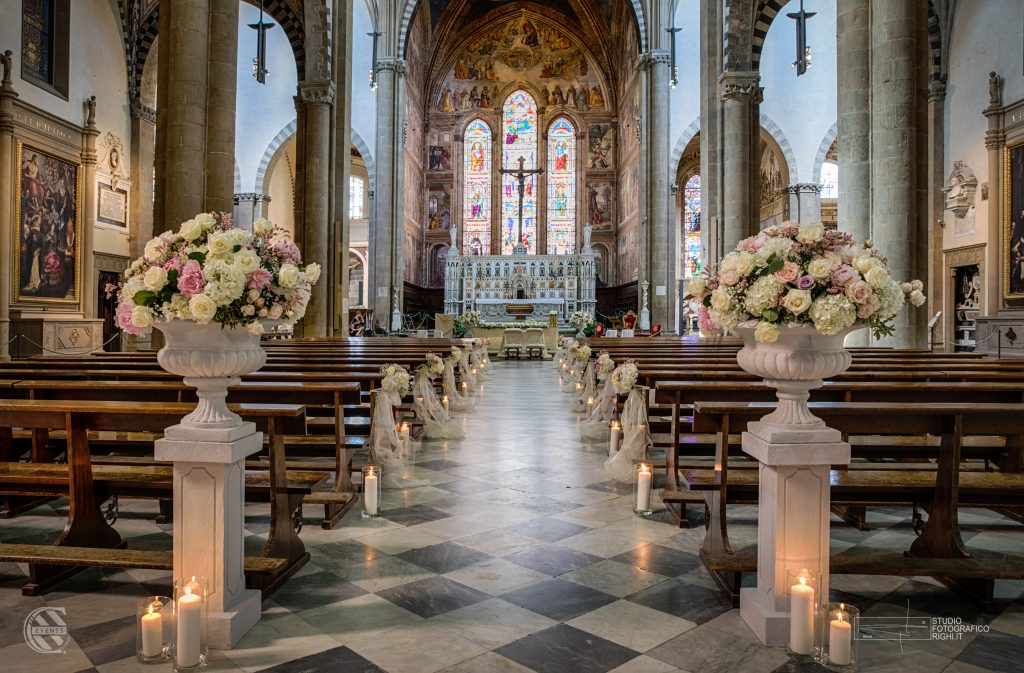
(465, 387)
(190, 611)
(444, 403)
(404, 429)
(370, 491)
(613, 440)
(152, 625)
(590, 406)
(801, 617)
(840, 640)
(643, 488)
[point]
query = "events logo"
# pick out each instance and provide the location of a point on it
(46, 631)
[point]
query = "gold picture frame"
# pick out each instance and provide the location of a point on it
(48, 217)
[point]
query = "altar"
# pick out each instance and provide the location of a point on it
(504, 287)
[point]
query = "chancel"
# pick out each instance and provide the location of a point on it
(512, 336)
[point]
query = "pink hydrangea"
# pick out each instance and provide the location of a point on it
(191, 281)
(707, 326)
(173, 263)
(123, 318)
(258, 279)
(287, 249)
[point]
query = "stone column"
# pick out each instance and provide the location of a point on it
(317, 98)
(805, 202)
(995, 142)
(222, 74)
(710, 128)
(739, 89)
(386, 237)
(337, 276)
(661, 249)
(143, 144)
(249, 208)
(854, 124)
(87, 219)
(7, 196)
(936, 208)
(893, 140)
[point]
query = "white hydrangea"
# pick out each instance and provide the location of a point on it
(782, 247)
(763, 294)
(177, 308)
(240, 237)
(832, 313)
(890, 299)
(224, 282)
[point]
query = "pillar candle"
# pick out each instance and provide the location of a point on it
(370, 492)
(801, 617)
(643, 489)
(404, 429)
(613, 441)
(840, 634)
(444, 403)
(590, 406)
(152, 633)
(465, 387)
(190, 608)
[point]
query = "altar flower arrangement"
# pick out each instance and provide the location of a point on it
(396, 379)
(471, 318)
(521, 324)
(212, 272)
(624, 377)
(605, 364)
(435, 365)
(581, 319)
(794, 275)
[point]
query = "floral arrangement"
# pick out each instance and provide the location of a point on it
(581, 319)
(524, 324)
(209, 271)
(435, 365)
(560, 341)
(456, 355)
(792, 274)
(583, 353)
(396, 380)
(605, 364)
(470, 318)
(624, 377)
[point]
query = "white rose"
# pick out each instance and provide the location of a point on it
(744, 263)
(810, 234)
(191, 230)
(695, 286)
(155, 278)
(219, 244)
(262, 226)
(205, 220)
(864, 263)
(254, 294)
(877, 276)
(917, 298)
(797, 301)
(247, 260)
(313, 272)
(248, 310)
(154, 250)
(720, 300)
(907, 288)
(142, 317)
(288, 276)
(766, 332)
(255, 328)
(916, 285)
(820, 268)
(202, 308)
(275, 312)
(728, 262)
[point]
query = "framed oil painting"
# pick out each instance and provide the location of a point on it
(47, 268)
(1013, 221)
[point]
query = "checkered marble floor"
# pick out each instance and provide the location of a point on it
(516, 555)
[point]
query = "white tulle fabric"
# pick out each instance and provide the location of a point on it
(456, 400)
(466, 371)
(437, 423)
(579, 400)
(478, 358)
(391, 451)
(595, 427)
(636, 438)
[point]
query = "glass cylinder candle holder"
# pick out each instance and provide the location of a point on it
(615, 434)
(190, 623)
(154, 629)
(445, 404)
(371, 491)
(839, 637)
(643, 489)
(804, 606)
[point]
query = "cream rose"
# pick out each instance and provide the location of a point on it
(247, 261)
(202, 308)
(859, 292)
(819, 269)
(218, 244)
(730, 277)
(313, 272)
(155, 278)
(766, 332)
(275, 312)
(877, 276)
(262, 226)
(154, 249)
(797, 301)
(142, 317)
(254, 328)
(206, 220)
(721, 300)
(917, 298)
(695, 286)
(744, 263)
(789, 272)
(864, 263)
(288, 275)
(191, 230)
(810, 233)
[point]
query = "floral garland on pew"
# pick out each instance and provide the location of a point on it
(636, 436)
(391, 449)
(595, 427)
(585, 382)
(437, 419)
(457, 400)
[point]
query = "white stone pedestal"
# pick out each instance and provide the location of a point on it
(793, 518)
(209, 502)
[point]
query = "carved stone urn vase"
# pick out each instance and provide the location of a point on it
(210, 358)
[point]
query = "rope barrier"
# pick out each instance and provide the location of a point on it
(48, 350)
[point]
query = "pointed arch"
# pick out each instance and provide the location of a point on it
(561, 187)
(476, 188)
(519, 139)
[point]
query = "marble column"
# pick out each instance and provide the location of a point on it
(710, 128)
(804, 202)
(854, 119)
(386, 237)
(662, 247)
(337, 276)
(87, 226)
(143, 144)
(317, 99)
(936, 207)
(222, 74)
(739, 90)
(249, 208)
(995, 143)
(7, 196)
(894, 122)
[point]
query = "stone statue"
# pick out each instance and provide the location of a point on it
(995, 90)
(90, 106)
(587, 231)
(454, 231)
(8, 65)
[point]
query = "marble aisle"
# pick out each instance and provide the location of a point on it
(517, 556)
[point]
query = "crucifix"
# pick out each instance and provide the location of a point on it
(520, 176)
(259, 64)
(803, 52)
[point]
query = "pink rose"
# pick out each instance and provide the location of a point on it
(704, 321)
(759, 241)
(844, 274)
(746, 245)
(729, 277)
(191, 281)
(789, 272)
(287, 250)
(173, 263)
(868, 308)
(259, 278)
(275, 312)
(123, 318)
(858, 292)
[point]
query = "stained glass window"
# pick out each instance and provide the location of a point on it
(476, 209)
(829, 180)
(519, 139)
(690, 234)
(356, 195)
(37, 39)
(561, 187)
